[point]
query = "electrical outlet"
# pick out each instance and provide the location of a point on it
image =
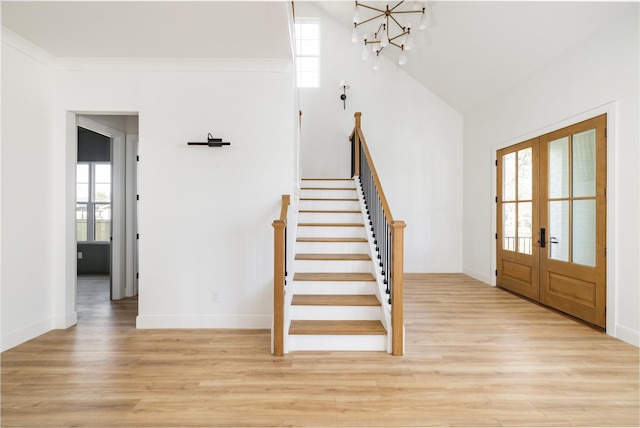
(215, 296)
(79, 255)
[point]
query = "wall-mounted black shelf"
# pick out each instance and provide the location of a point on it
(211, 142)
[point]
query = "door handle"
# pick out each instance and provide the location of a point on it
(543, 239)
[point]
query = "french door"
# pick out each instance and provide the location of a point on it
(551, 215)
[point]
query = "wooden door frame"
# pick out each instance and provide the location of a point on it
(612, 186)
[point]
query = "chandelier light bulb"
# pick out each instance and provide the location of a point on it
(354, 35)
(423, 20)
(365, 51)
(403, 58)
(384, 38)
(356, 14)
(408, 43)
(376, 62)
(416, 5)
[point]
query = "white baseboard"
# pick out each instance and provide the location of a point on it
(22, 335)
(62, 322)
(477, 275)
(627, 335)
(203, 321)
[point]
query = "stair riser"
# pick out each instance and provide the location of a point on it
(305, 312)
(302, 342)
(329, 194)
(328, 183)
(328, 204)
(334, 266)
(330, 218)
(331, 232)
(331, 287)
(332, 247)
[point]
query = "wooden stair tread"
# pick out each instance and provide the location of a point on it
(328, 199)
(331, 239)
(331, 211)
(328, 179)
(337, 327)
(345, 256)
(327, 188)
(333, 276)
(335, 300)
(331, 224)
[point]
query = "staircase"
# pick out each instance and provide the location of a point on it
(336, 299)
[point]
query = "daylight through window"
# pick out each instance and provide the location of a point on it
(308, 52)
(93, 202)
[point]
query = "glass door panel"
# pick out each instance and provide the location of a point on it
(509, 226)
(559, 168)
(584, 232)
(525, 232)
(509, 177)
(559, 230)
(584, 164)
(524, 174)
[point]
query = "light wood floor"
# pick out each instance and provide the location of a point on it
(475, 356)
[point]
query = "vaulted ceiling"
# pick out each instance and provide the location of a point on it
(473, 50)
(476, 50)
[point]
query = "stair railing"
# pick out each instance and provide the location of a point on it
(279, 275)
(388, 234)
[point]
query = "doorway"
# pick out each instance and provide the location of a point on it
(551, 220)
(106, 211)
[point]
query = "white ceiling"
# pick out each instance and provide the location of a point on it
(477, 49)
(152, 29)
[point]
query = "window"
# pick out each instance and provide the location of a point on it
(308, 52)
(93, 202)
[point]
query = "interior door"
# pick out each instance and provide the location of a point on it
(551, 215)
(517, 212)
(573, 215)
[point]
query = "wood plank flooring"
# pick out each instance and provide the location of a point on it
(475, 356)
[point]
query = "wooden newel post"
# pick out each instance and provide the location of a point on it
(356, 142)
(278, 287)
(397, 290)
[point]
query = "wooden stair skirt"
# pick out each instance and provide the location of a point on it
(334, 304)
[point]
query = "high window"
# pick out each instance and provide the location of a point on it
(93, 202)
(308, 52)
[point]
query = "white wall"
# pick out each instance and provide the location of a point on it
(415, 139)
(598, 75)
(27, 197)
(205, 213)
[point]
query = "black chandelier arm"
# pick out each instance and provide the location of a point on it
(396, 45)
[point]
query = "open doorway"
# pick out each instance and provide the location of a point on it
(106, 214)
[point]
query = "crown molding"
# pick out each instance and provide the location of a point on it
(268, 65)
(33, 51)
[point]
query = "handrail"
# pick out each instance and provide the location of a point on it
(388, 233)
(279, 275)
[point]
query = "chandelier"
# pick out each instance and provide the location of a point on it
(389, 31)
